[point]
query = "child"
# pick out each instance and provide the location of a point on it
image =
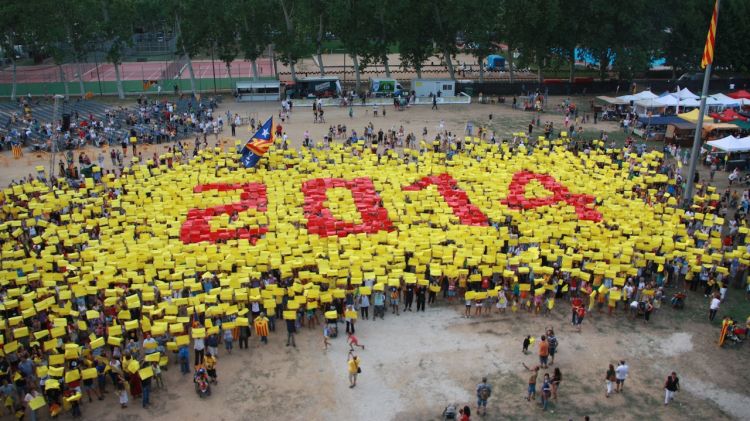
(122, 394)
(526, 343)
(228, 337)
(211, 368)
(353, 341)
(326, 335)
(157, 375)
(502, 301)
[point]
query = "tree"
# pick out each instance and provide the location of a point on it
(568, 39)
(116, 29)
(291, 40)
(447, 25)
(379, 27)
(344, 16)
(255, 29)
(224, 31)
(190, 25)
(318, 10)
(539, 23)
(732, 51)
(80, 30)
(512, 27)
(482, 32)
(414, 36)
(13, 23)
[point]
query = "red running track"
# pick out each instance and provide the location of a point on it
(151, 70)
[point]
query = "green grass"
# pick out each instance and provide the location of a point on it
(736, 305)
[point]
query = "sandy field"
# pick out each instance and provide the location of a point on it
(505, 121)
(415, 364)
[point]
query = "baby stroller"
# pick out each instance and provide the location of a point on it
(450, 412)
(202, 385)
(333, 330)
(678, 300)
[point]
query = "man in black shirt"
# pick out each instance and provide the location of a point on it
(670, 387)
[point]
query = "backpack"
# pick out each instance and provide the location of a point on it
(552, 342)
(484, 392)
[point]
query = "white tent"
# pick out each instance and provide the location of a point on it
(726, 100)
(693, 102)
(639, 96)
(731, 144)
(685, 93)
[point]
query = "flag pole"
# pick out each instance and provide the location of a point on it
(697, 139)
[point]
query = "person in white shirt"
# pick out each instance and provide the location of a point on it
(199, 346)
(714, 307)
(621, 373)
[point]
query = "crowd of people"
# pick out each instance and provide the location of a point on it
(93, 301)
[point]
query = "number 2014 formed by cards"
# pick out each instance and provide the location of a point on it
(373, 216)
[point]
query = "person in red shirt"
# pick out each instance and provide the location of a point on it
(581, 312)
(353, 341)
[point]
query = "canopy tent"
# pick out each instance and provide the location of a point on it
(710, 102)
(728, 115)
(692, 117)
(742, 124)
(659, 102)
(741, 94)
(611, 100)
(637, 97)
(707, 127)
(661, 121)
(731, 144)
(726, 100)
(685, 93)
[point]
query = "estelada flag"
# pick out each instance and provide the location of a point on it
(258, 145)
(708, 50)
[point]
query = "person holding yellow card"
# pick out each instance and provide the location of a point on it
(261, 328)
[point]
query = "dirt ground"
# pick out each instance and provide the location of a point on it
(416, 363)
(505, 121)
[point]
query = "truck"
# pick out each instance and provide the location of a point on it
(313, 87)
(386, 87)
(495, 63)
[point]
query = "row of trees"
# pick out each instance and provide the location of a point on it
(622, 36)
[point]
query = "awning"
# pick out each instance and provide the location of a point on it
(726, 101)
(611, 100)
(731, 144)
(685, 93)
(637, 97)
(692, 117)
(741, 94)
(742, 124)
(683, 125)
(661, 121)
(707, 127)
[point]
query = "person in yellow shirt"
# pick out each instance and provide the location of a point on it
(354, 369)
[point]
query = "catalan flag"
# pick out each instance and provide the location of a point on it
(708, 50)
(258, 145)
(17, 150)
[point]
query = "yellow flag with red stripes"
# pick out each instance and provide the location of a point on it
(708, 50)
